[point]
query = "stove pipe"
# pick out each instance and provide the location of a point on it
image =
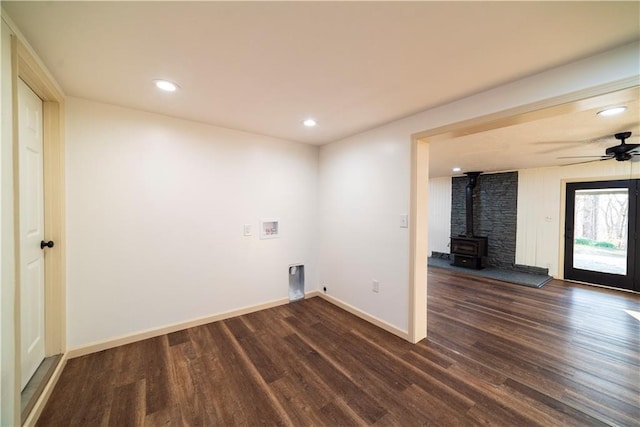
(473, 177)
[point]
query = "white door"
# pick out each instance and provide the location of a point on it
(31, 212)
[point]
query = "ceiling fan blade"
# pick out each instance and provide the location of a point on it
(557, 142)
(588, 161)
(587, 157)
(558, 148)
(606, 138)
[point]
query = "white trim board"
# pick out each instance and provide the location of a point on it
(35, 412)
(155, 332)
(151, 333)
(365, 316)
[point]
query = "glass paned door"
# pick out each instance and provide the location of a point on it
(600, 229)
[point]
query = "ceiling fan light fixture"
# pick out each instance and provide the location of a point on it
(612, 111)
(621, 152)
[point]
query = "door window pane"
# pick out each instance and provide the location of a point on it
(600, 230)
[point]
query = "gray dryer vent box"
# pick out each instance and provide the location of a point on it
(296, 282)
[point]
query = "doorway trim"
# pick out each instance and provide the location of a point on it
(585, 99)
(419, 226)
(25, 66)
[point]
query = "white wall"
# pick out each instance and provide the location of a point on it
(540, 229)
(365, 179)
(8, 350)
(363, 192)
(155, 216)
(439, 214)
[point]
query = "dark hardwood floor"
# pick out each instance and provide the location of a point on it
(497, 354)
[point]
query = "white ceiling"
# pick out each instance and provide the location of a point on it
(542, 142)
(265, 66)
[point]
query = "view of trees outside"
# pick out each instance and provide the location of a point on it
(600, 230)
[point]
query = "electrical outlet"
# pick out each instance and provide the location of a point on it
(375, 287)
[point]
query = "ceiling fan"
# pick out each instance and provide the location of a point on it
(621, 152)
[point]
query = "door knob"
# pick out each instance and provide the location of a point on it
(48, 244)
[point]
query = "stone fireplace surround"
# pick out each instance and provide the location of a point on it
(495, 199)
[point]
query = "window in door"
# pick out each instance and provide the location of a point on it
(601, 246)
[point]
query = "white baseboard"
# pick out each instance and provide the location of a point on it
(151, 333)
(369, 318)
(46, 392)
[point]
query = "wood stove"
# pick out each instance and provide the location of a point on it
(468, 249)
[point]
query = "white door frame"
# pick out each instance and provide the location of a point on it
(25, 66)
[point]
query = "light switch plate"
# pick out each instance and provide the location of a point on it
(404, 221)
(247, 229)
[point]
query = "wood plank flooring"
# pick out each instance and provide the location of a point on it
(497, 354)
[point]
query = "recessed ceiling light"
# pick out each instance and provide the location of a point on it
(457, 169)
(611, 111)
(166, 85)
(309, 123)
